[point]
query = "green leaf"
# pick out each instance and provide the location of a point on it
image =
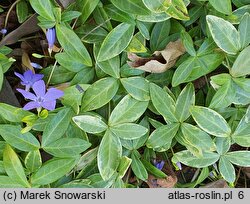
(240, 158)
(189, 159)
(188, 43)
(33, 161)
(137, 87)
(163, 103)
(127, 110)
(224, 34)
(43, 8)
(7, 182)
(162, 136)
(52, 170)
(22, 11)
(111, 66)
(198, 138)
(242, 133)
(203, 175)
(227, 170)
(70, 15)
(90, 123)
(138, 167)
(72, 44)
(99, 93)
(210, 121)
(157, 6)
(13, 114)
(57, 126)
(131, 6)
(177, 9)
(244, 29)
(67, 147)
(223, 144)
(118, 15)
(153, 170)
(153, 17)
(184, 101)
(116, 41)
(137, 44)
(1, 77)
(109, 155)
(241, 65)
(159, 34)
(86, 7)
(13, 136)
(13, 166)
(224, 6)
(2, 170)
(125, 162)
(129, 131)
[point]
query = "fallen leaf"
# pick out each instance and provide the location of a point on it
(161, 61)
(217, 184)
(246, 170)
(168, 182)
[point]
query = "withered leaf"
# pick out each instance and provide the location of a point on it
(168, 182)
(161, 61)
(246, 170)
(217, 184)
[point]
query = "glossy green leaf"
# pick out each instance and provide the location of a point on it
(157, 6)
(163, 102)
(210, 121)
(99, 93)
(127, 110)
(128, 131)
(241, 65)
(153, 17)
(131, 6)
(7, 182)
(224, 34)
(109, 155)
(227, 170)
(138, 167)
(13, 114)
(223, 144)
(33, 161)
(43, 8)
(57, 126)
(188, 43)
(116, 41)
(72, 44)
(159, 34)
(13, 136)
(86, 7)
(22, 11)
(13, 166)
(52, 170)
(244, 29)
(240, 158)
(111, 66)
(67, 147)
(242, 133)
(125, 163)
(162, 136)
(184, 101)
(137, 87)
(2, 170)
(177, 9)
(137, 44)
(189, 159)
(198, 138)
(153, 170)
(224, 6)
(90, 123)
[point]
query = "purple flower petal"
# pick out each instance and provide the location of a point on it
(53, 94)
(27, 94)
(178, 164)
(3, 31)
(19, 76)
(31, 105)
(35, 65)
(37, 77)
(39, 88)
(51, 37)
(28, 75)
(49, 105)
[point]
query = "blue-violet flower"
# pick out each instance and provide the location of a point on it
(178, 164)
(51, 38)
(28, 78)
(41, 99)
(3, 31)
(35, 65)
(159, 165)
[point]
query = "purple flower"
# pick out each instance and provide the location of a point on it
(35, 65)
(178, 164)
(41, 99)
(211, 174)
(3, 31)
(29, 78)
(51, 38)
(159, 165)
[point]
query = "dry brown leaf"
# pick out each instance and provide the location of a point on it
(217, 184)
(168, 182)
(161, 61)
(246, 170)
(26, 62)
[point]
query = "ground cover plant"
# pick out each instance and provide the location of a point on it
(124, 94)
